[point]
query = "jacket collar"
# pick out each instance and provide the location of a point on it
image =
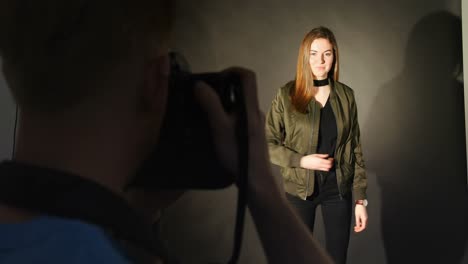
(332, 89)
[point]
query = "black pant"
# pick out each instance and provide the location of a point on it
(337, 215)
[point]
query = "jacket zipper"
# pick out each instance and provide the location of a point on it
(310, 140)
(341, 176)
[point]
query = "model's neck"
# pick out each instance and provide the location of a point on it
(321, 82)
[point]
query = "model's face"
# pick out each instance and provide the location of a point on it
(321, 58)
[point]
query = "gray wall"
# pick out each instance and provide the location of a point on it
(398, 58)
(464, 8)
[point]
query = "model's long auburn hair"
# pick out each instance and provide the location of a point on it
(303, 92)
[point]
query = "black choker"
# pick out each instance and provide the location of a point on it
(323, 82)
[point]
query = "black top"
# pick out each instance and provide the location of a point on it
(327, 131)
(326, 181)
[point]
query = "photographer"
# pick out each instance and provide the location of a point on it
(91, 80)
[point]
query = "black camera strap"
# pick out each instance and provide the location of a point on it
(243, 158)
(52, 192)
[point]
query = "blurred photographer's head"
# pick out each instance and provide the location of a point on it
(88, 63)
(58, 54)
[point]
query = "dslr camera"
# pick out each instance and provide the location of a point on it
(185, 155)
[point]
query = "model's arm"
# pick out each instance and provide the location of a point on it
(360, 177)
(284, 237)
(275, 131)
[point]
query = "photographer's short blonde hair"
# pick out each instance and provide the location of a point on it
(56, 53)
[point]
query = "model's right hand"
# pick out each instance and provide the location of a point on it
(319, 162)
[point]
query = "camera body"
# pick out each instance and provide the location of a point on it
(185, 156)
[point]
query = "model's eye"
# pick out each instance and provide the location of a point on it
(313, 53)
(329, 54)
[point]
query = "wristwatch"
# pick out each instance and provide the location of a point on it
(362, 202)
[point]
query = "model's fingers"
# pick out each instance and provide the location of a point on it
(322, 156)
(364, 222)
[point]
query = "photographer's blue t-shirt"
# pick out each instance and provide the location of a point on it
(53, 240)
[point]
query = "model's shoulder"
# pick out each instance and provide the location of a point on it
(287, 87)
(341, 87)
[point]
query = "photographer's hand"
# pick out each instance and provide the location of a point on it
(292, 243)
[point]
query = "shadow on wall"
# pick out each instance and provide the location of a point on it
(416, 147)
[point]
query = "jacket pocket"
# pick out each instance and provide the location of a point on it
(286, 173)
(347, 171)
(348, 154)
(295, 175)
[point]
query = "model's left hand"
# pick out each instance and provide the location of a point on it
(360, 213)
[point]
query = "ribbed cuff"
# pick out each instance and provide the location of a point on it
(295, 160)
(359, 194)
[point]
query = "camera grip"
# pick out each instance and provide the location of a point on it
(185, 156)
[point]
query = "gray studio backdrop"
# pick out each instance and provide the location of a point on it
(402, 59)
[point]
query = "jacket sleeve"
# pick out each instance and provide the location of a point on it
(275, 133)
(360, 177)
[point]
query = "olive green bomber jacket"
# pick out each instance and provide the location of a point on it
(292, 135)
